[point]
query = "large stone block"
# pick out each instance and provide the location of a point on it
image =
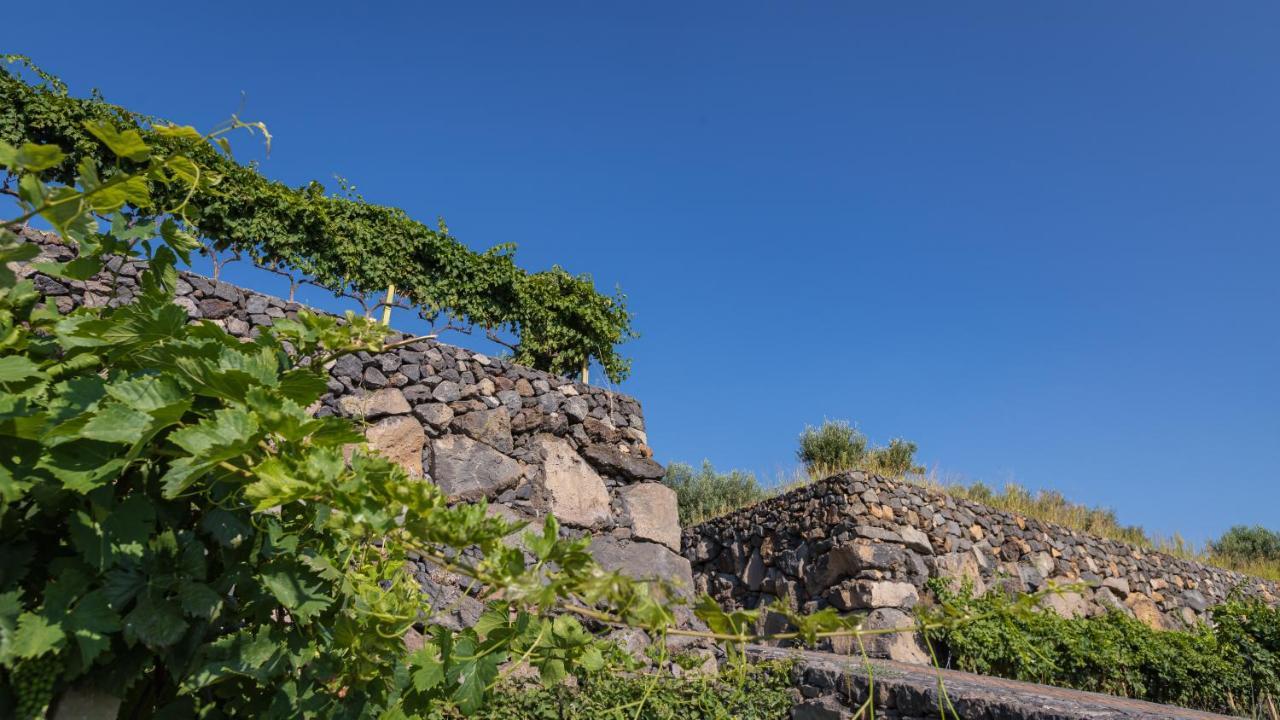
(387, 401)
(847, 560)
(902, 646)
(491, 427)
(575, 493)
(612, 460)
(870, 594)
(399, 439)
(642, 560)
(654, 513)
(469, 470)
(1066, 604)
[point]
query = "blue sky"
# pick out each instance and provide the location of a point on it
(1038, 239)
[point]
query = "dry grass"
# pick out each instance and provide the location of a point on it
(1052, 507)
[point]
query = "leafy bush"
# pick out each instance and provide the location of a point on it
(898, 459)
(705, 493)
(1231, 666)
(837, 446)
(762, 694)
(1248, 544)
(834, 446)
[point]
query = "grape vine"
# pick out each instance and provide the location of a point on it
(340, 242)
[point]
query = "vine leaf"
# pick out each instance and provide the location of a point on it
(35, 636)
(127, 144)
(296, 589)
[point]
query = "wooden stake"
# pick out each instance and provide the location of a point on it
(386, 308)
(586, 371)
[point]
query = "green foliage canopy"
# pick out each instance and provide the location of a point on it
(345, 244)
(703, 494)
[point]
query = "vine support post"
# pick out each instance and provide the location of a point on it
(386, 307)
(586, 370)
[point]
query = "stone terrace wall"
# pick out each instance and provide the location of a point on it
(864, 543)
(480, 427)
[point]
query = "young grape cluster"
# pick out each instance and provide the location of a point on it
(33, 685)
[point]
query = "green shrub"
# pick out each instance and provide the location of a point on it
(705, 493)
(762, 694)
(898, 459)
(1248, 544)
(1232, 666)
(837, 446)
(832, 447)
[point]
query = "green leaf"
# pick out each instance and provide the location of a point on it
(428, 671)
(591, 659)
(147, 393)
(178, 132)
(10, 609)
(31, 157)
(297, 589)
(130, 525)
(17, 367)
(122, 584)
(474, 677)
(198, 600)
(117, 423)
(94, 612)
(90, 623)
(127, 144)
(36, 636)
(157, 623)
(227, 529)
(83, 465)
(302, 386)
(275, 484)
(211, 441)
(223, 435)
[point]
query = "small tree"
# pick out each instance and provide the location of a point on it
(705, 493)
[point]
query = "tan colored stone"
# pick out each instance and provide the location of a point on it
(1067, 604)
(1146, 610)
(399, 439)
(975, 532)
(387, 401)
(960, 567)
(654, 513)
(575, 492)
(901, 646)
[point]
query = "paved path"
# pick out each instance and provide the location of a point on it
(912, 691)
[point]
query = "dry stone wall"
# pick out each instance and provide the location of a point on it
(531, 442)
(863, 543)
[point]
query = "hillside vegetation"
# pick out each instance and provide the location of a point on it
(1231, 665)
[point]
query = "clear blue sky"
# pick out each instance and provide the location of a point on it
(1039, 239)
